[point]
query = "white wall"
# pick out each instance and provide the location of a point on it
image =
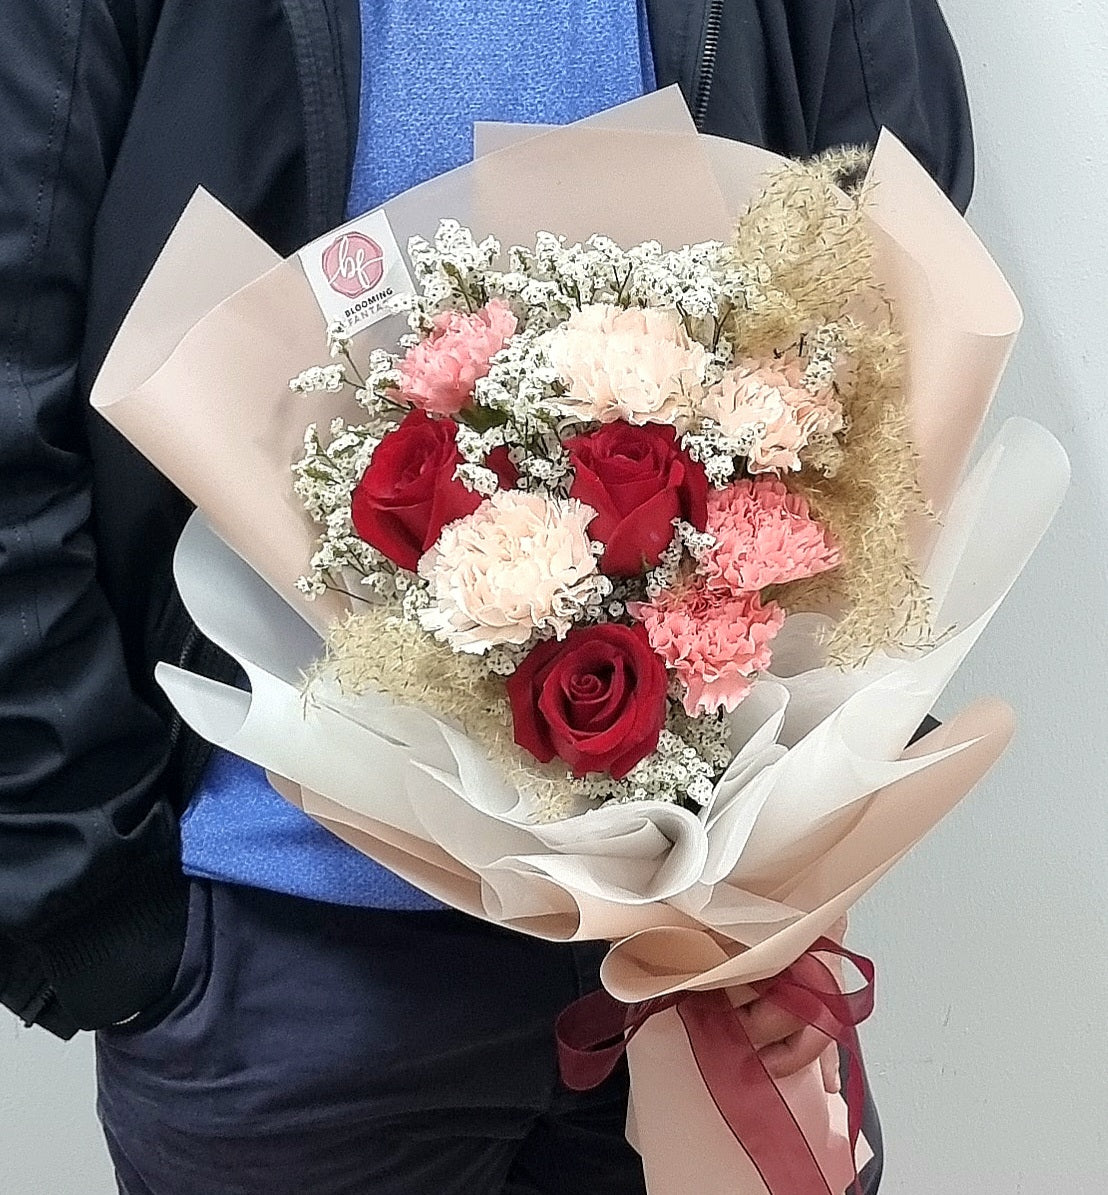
(49, 1140)
(990, 1052)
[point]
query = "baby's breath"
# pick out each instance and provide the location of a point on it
(327, 379)
(822, 349)
(721, 455)
(324, 480)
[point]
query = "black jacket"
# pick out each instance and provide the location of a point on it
(111, 113)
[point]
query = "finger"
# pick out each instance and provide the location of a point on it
(743, 997)
(786, 1058)
(765, 1023)
(829, 1065)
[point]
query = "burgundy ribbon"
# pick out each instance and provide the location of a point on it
(594, 1031)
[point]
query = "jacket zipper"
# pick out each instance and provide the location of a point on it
(188, 646)
(319, 75)
(191, 750)
(35, 1007)
(709, 50)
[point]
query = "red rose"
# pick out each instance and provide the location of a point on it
(409, 492)
(596, 700)
(638, 480)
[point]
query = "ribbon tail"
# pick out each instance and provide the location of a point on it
(748, 1099)
(593, 1032)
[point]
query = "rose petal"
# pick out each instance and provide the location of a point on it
(639, 540)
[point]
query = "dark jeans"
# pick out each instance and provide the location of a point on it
(308, 1049)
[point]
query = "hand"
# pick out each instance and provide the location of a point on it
(787, 1045)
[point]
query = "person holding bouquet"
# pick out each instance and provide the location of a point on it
(275, 1012)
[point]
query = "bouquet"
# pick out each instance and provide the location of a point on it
(564, 509)
(626, 566)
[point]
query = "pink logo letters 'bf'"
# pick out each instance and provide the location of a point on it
(353, 264)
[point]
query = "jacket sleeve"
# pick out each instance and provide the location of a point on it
(92, 899)
(893, 64)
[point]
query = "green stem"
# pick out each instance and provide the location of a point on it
(359, 381)
(721, 319)
(357, 597)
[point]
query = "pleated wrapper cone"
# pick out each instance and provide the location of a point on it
(821, 798)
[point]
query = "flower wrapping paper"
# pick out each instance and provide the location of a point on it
(820, 800)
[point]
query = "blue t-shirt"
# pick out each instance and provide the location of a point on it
(430, 68)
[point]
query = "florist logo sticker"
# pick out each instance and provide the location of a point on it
(354, 264)
(355, 271)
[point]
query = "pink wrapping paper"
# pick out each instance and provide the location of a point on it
(198, 380)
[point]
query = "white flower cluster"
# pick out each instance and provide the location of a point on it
(478, 479)
(823, 348)
(691, 753)
(547, 283)
(546, 469)
(697, 543)
(475, 444)
(328, 379)
(451, 272)
(377, 394)
(542, 462)
(523, 385)
(666, 572)
(338, 338)
(670, 567)
(504, 658)
(414, 597)
(328, 472)
(325, 478)
(701, 281)
(720, 454)
(558, 278)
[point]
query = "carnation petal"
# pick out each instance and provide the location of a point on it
(439, 373)
(635, 364)
(716, 643)
(767, 403)
(765, 535)
(519, 563)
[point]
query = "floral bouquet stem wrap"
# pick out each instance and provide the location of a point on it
(617, 568)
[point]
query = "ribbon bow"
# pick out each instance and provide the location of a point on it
(594, 1031)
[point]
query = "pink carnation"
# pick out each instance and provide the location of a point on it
(716, 643)
(768, 403)
(440, 372)
(764, 535)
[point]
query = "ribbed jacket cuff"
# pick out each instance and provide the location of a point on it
(120, 956)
